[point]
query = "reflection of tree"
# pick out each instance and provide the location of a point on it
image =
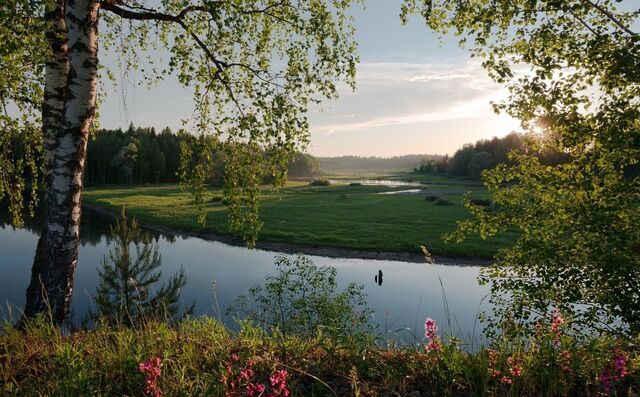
(126, 295)
(95, 226)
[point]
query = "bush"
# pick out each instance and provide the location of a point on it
(320, 182)
(431, 198)
(216, 199)
(301, 299)
(443, 202)
(355, 184)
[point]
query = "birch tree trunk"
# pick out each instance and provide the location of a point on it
(51, 287)
(56, 73)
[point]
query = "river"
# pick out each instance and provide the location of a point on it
(410, 291)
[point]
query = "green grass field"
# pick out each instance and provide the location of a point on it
(336, 216)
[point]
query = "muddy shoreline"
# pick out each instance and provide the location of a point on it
(292, 248)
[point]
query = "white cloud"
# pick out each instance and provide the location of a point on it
(465, 110)
(394, 93)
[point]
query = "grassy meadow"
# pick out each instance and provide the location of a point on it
(339, 215)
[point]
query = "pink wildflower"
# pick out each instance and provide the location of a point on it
(246, 374)
(565, 362)
(605, 381)
(620, 365)
(494, 373)
(430, 328)
(152, 369)
(538, 329)
(255, 389)
(506, 380)
(434, 345)
(278, 382)
(431, 333)
(514, 367)
(557, 320)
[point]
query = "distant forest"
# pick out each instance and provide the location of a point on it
(471, 159)
(141, 155)
(357, 163)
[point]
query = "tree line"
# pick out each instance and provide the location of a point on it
(471, 159)
(362, 163)
(140, 155)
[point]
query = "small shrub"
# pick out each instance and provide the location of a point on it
(443, 202)
(320, 182)
(216, 199)
(302, 300)
(355, 184)
(431, 198)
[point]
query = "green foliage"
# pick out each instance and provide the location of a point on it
(459, 164)
(578, 219)
(201, 357)
(462, 162)
(254, 67)
(443, 202)
(431, 197)
(157, 157)
(196, 166)
(479, 162)
(438, 165)
(303, 165)
(350, 164)
(320, 182)
(302, 299)
(127, 294)
(23, 51)
(480, 202)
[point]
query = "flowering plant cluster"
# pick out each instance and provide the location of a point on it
(431, 333)
(614, 371)
(513, 371)
(248, 382)
(151, 368)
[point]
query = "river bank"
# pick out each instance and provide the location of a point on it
(293, 248)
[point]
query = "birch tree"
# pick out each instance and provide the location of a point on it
(255, 67)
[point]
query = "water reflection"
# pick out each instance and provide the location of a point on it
(129, 292)
(378, 278)
(410, 292)
(376, 182)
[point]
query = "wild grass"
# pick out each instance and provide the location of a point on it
(200, 357)
(337, 216)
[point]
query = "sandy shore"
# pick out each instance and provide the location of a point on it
(292, 248)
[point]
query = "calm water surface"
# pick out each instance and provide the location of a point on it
(376, 182)
(409, 292)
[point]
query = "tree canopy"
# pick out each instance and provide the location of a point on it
(573, 70)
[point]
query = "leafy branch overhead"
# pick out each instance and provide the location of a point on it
(255, 66)
(573, 70)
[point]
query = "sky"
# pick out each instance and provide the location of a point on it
(416, 93)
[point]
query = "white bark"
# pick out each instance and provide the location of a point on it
(56, 72)
(51, 287)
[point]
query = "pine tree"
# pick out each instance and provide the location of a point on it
(126, 294)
